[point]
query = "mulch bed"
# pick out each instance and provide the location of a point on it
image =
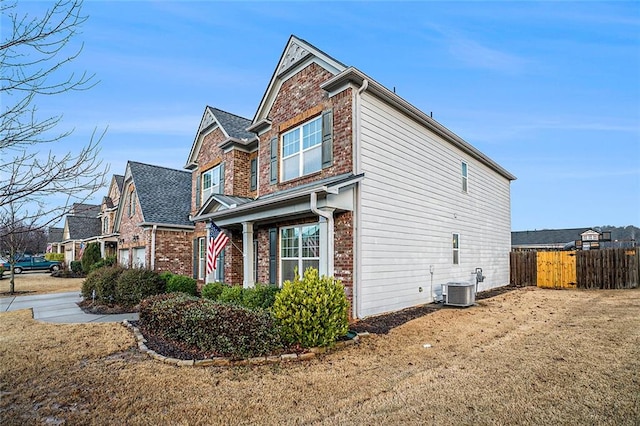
(382, 324)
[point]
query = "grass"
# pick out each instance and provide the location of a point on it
(530, 356)
(39, 283)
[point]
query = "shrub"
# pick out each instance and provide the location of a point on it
(165, 276)
(220, 329)
(76, 266)
(54, 257)
(136, 284)
(107, 261)
(182, 284)
(312, 311)
(90, 256)
(261, 296)
(1, 271)
(231, 294)
(212, 291)
(103, 281)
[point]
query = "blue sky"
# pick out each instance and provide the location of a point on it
(549, 90)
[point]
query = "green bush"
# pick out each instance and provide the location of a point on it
(76, 266)
(262, 296)
(231, 294)
(108, 261)
(312, 311)
(54, 257)
(90, 256)
(220, 329)
(136, 284)
(103, 281)
(165, 276)
(212, 291)
(182, 284)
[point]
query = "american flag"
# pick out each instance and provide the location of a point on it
(217, 241)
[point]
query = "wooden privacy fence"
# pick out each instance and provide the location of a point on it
(616, 268)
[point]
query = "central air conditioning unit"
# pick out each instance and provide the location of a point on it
(459, 293)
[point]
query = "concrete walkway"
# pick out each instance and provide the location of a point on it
(58, 308)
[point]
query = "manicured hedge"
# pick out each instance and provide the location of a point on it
(220, 329)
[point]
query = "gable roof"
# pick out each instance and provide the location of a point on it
(296, 55)
(232, 126)
(119, 181)
(54, 235)
(546, 236)
(164, 195)
(83, 227)
(88, 210)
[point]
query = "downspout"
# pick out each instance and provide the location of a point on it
(357, 234)
(330, 232)
(153, 247)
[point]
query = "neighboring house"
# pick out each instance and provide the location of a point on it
(54, 240)
(348, 177)
(566, 239)
(152, 219)
(223, 160)
(108, 238)
(81, 226)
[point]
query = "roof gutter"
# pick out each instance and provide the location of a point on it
(165, 225)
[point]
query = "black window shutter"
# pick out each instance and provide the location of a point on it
(273, 255)
(196, 255)
(254, 175)
(221, 190)
(198, 183)
(327, 139)
(274, 160)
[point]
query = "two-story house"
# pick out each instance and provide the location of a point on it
(340, 173)
(81, 226)
(152, 219)
(108, 238)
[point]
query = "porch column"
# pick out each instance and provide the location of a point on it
(102, 253)
(327, 243)
(247, 254)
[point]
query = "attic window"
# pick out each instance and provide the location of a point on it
(132, 202)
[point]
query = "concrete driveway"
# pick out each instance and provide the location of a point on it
(58, 308)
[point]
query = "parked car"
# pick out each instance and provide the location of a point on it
(32, 263)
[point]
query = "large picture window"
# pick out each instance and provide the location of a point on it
(302, 150)
(211, 180)
(299, 249)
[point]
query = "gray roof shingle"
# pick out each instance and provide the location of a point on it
(87, 210)
(55, 235)
(164, 194)
(83, 227)
(234, 125)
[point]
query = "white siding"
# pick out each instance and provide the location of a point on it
(411, 204)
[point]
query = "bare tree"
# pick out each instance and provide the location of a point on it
(33, 54)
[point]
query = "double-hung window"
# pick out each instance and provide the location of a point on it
(299, 249)
(211, 180)
(302, 150)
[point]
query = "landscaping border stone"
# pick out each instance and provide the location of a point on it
(228, 362)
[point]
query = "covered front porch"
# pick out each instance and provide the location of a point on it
(271, 236)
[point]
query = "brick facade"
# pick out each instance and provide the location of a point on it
(300, 99)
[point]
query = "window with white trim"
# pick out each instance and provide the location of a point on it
(465, 176)
(299, 249)
(302, 150)
(211, 182)
(456, 249)
(105, 225)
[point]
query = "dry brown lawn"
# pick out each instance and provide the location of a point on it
(39, 283)
(530, 356)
